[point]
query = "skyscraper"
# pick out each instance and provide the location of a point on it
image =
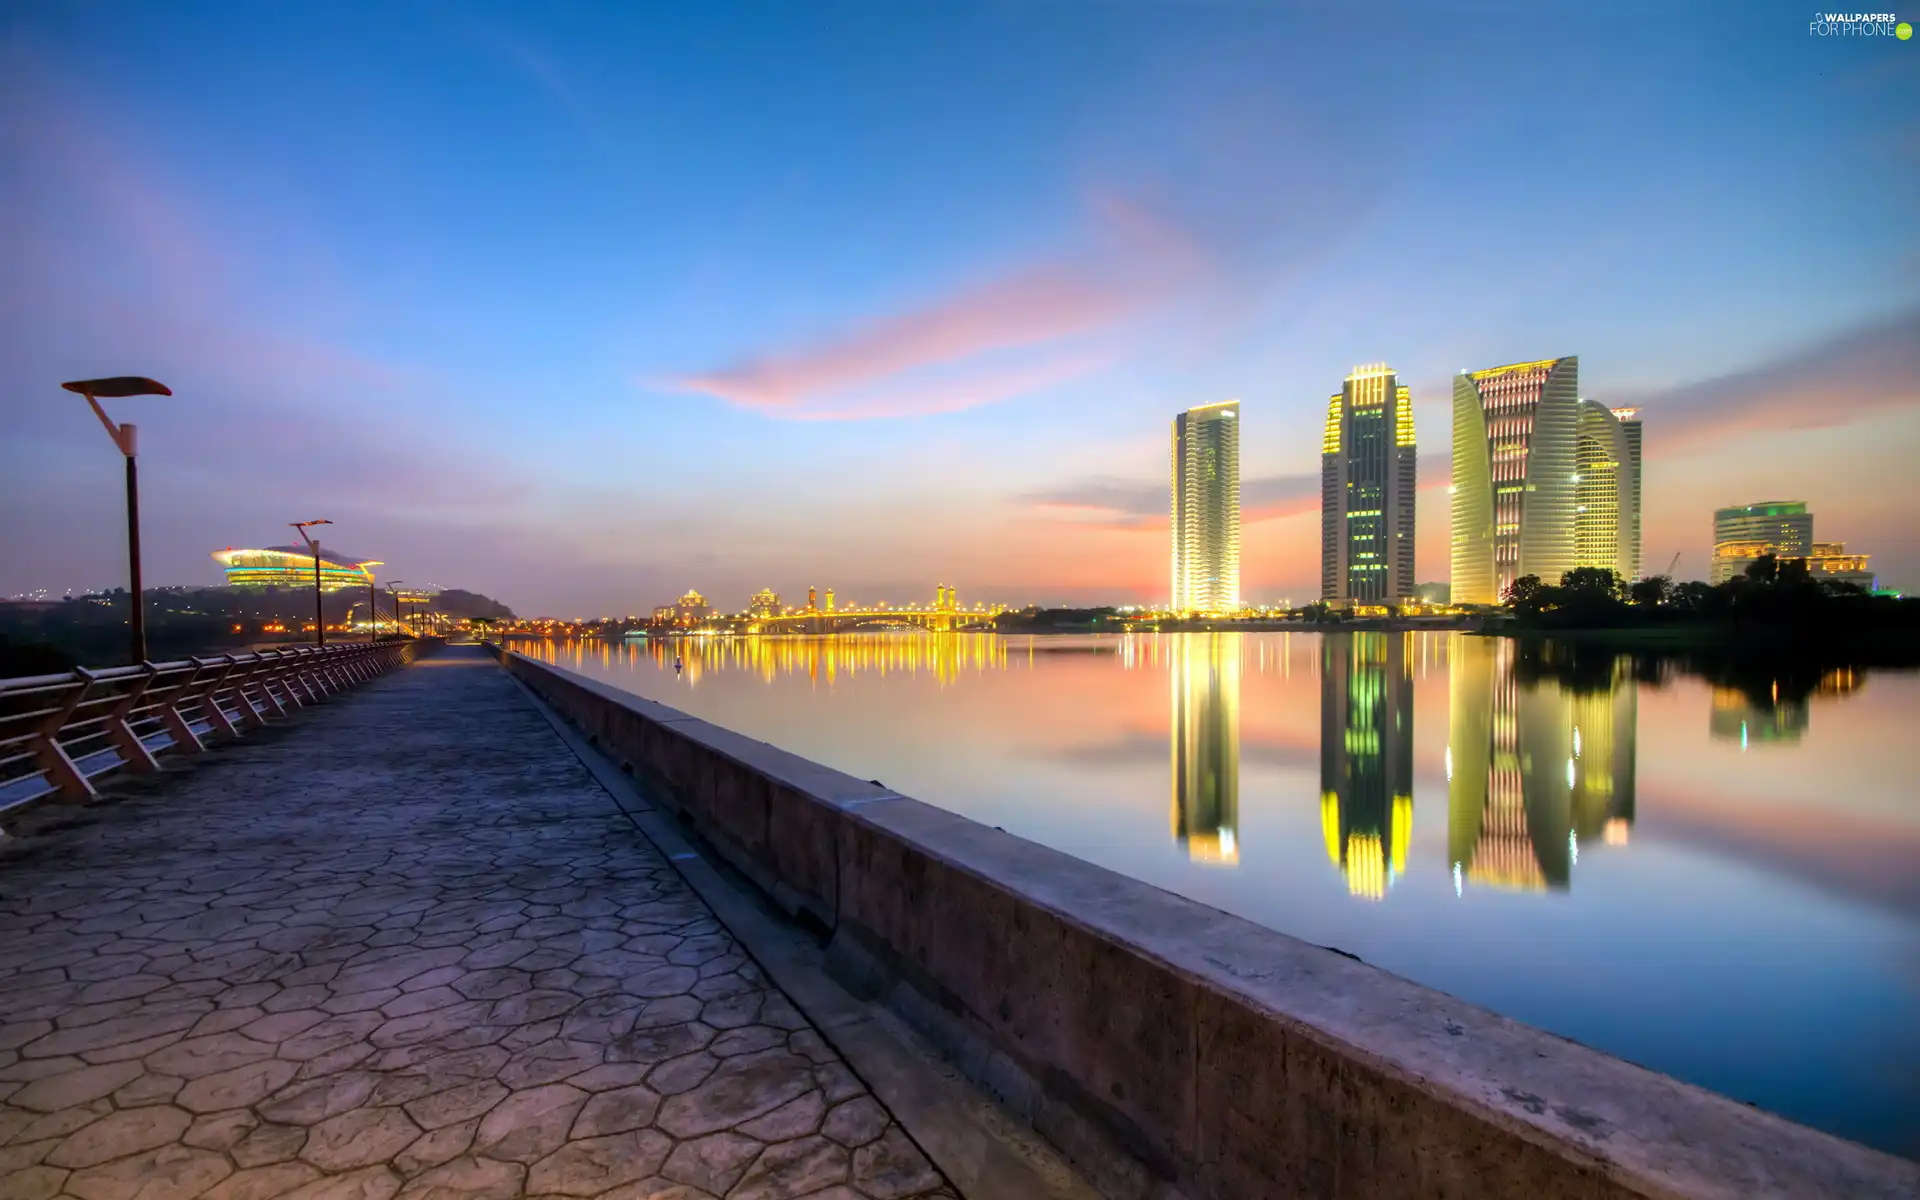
(1367, 489)
(1366, 757)
(1206, 509)
(1606, 490)
(1783, 528)
(1630, 423)
(1514, 430)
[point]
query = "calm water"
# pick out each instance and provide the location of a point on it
(1716, 883)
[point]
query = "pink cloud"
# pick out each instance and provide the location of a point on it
(970, 390)
(951, 352)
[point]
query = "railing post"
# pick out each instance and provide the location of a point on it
(274, 673)
(185, 740)
(217, 716)
(134, 755)
(296, 674)
(321, 675)
(61, 770)
(250, 717)
(259, 669)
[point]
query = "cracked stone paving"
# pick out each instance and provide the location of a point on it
(406, 946)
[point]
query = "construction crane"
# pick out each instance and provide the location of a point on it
(1673, 564)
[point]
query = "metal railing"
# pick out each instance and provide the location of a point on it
(59, 733)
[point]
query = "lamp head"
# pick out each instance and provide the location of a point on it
(118, 386)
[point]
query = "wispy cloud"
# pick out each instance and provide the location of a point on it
(1847, 378)
(977, 343)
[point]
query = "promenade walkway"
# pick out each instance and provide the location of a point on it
(403, 946)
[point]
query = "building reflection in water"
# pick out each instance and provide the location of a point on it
(1205, 737)
(1604, 724)
(1532, 771)
(1366, 757)
(1775, 709)
(1736, 717)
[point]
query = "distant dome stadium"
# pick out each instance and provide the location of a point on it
(292, 567)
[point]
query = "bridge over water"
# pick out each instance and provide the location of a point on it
(934, 620)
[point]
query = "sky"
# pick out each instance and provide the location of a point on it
(582, 305)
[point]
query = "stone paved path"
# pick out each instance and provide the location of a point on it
(405, 946)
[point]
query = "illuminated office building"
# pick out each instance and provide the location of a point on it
(765, 603)
(1783, 528)
(1366, 757)
(1606, 490)
(1367, 490)
(292, 567)
(1514, 435)
(1830, 561)
(1629, 419)
(691, 609)
(1511, 772)
(1206, 509)
(1205, 737)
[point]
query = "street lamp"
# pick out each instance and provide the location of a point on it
(391, 585)
(123, 437)
(319, 613)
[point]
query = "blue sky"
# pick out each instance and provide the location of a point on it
(581, 305)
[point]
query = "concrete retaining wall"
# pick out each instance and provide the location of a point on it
(1173, 1050)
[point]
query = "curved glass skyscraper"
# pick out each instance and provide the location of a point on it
(1606, 489)
(1514, 434)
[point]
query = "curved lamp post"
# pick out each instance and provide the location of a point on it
(392, 585)
(123, 437)
(319, 613)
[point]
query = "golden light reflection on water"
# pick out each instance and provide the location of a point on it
(1536, 772)
(946, 657)
(1532, 771)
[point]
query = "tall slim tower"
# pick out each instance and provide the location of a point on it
(1514, 433)
(1630, 423)
(1367, 489)
(1606, 490)
(1206, 509)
